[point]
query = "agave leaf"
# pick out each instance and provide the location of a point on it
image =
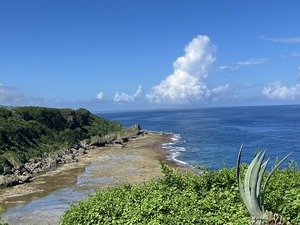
(267, 180)
(260, 172)
(257, 175)
(238, 175)
(260, 176)
(239, 180)
(253, 185)
(248, 182)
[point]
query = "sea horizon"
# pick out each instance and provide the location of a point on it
(211, 137)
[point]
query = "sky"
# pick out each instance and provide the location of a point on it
(147, 54)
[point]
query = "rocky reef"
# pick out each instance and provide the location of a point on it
(24, 172)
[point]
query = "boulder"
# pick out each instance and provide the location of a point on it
(24, 178)
(8, 180)
(81, 151)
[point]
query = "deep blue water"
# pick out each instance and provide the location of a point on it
(211, 137)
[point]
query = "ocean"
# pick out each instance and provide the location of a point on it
(211, 137)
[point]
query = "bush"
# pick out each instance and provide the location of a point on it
(211, 198)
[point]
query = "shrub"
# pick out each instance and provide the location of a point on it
(212, 198)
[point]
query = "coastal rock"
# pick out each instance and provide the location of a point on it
(73, 146)
(119, 141)
(24, 178)
(81, 151)
(110, 138)
(84, 145)
(50, 162)
(8, 180)
(69, 158)
(22, 173)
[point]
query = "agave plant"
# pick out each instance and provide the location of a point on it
(251, 192)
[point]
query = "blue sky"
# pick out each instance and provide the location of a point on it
(143, 54)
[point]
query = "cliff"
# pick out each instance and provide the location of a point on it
(34, 139)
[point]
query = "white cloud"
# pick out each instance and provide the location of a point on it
(138, 92)
(100, 96)
(198, 57)
(277, 90)
(186, 84)
(9, 96)
(123, 97)
(248, 62)
(253, 62)
(126, 98)
(220, 89)
(228, 68)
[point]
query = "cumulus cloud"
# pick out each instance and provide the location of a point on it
(126, 98)
(277, 90)
(186, 83)
(248, 62)
(100, 96)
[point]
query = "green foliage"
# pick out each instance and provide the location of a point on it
(31, 132)
(211, 198)
(1, 221)
(251, 193)
(283, 194)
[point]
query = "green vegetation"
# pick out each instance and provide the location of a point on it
(1, 221)
(251, 193)
(32, 132)
(212, 198)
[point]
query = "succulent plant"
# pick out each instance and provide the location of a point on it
(251, 192)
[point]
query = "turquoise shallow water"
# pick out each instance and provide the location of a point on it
(211, 137)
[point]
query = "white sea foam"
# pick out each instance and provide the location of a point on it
(175, 153)
(167, 145)
(178, 149)
(175, 137)
(175, 150)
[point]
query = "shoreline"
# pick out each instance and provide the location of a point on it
(135, 161)
(23, 173)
